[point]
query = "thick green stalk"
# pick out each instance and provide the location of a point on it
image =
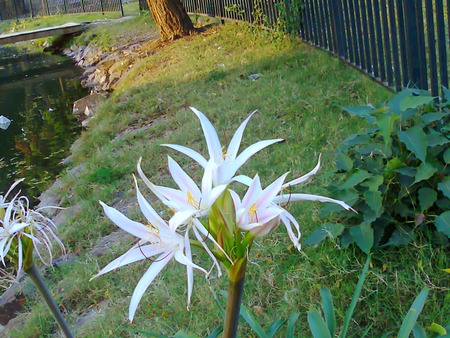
(235, 291)
(34, 274)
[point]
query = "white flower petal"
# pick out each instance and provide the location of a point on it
(146, 280)
(212, 140)
(307, 197)
(304, 178)
(189, 152)
(235, 142)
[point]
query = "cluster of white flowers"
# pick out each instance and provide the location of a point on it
(256, 214)
(22, 230)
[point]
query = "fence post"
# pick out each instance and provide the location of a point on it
(101, 4)
(121, 8)
(31, 8)
(82, 6)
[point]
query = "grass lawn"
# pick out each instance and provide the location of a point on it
(299, 98)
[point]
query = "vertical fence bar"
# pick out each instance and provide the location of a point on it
(325, 41)
(342, 44)
(432, 61)
(359, 34)
(374, 71)
(350, 50)
(423, 84)
(328, 27)
(440, 24)
(365, 32)
(379, 39)
(355, 58)
(414, 28)
(387, 43)
(402, 42)
(308, 19)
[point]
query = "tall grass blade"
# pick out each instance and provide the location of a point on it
(328, 310)
(273, 328)
(317, 325)
(413, 314)
(252, 322)
(291, 324)
(216, 333)
(349, 314)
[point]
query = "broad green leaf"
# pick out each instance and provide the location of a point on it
(344, 162)
(444, 186)
(437, 139)
(375, 201)
(397, 99)
(401, 236)
(419, 331)
(446, 270)
(386, 123)
(373, 183)
(432, 117)
(291, 324)
(394, 163)
(357, 177)
(412, 315)
(317, 325)
(328, 310)
(363, 236)
(439, 329)
(415, 141)
(361, 111)
(447, 156)
(324, 231)
(424, 172)
(415, 101)
(443, 223)
(427, 197)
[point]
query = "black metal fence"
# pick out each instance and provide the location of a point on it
(18, 9)
(397, 42)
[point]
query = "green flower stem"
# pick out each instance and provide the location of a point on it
(34, 274)
(235, 291)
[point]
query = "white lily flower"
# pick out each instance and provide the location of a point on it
(189, 201)
(226, 163)
(22, 230)
(156, 238)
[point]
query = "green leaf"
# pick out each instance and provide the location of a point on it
(427, 197)
(424, 172)
(373, 183)
(433, 117)
(358, 288)
(444, 186)
(419, 331)
(291, 324)
(363, 236)
(182, 334)
(216, 332)
(394, 163)
(324, 231)
(317, 325)
(415, 141)
(386, 123)
(439, 329)
(443, 223)
(412, 315)
(415, 101)
(375, 201)
(273, 328)
(436, 139)
(344, 162)
(447, 156)
(361, 111)
(357, 177)
(328, 310)
(252, 322)
(401, 236)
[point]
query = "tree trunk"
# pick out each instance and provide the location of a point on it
(171, 18)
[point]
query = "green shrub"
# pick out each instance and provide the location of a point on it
(395, 174)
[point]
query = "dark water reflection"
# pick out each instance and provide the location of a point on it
(36, 92)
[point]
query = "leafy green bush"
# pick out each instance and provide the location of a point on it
(395, 174)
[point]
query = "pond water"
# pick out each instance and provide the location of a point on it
(36, 92)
